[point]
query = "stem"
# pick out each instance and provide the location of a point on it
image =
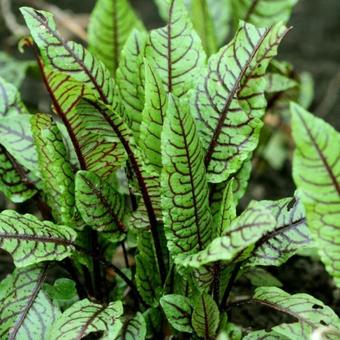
(126, 258)
(230, 285)
(69, 266)
(97, 277)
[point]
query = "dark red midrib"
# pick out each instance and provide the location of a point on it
(321, 155)
(251, 9)
(14, 330)
(200, 245)
(234, 90)
(169, 28)
(143, 188)
(79, 61)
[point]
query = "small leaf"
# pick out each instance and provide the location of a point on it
(133, 329)
(316, 172)
(25, 310)
(99, 204)
(62, 289)
(278, 83)
(177, 51)
(259, 277)
(187, 218)
(205, 317)
(265, 335)
(30, 241)
(85, 317)
(111, 23)
(178, 311)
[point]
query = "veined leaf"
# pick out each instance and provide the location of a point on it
(185, 202)
(310, 312)
(265, 335)
(277, 83)
(263, 13)
(13, 179)
(237, 242)
(177, 51)
(205, 317)
(10, 101)
(99, 204)
(259, 277)
(316, 172)
(133, 329)
(111, 23)
(178, 311)
(130, 79)
(56, 170)
(290, 234)
(229, 99)
(154, 112)
(25, 310)
(30, 241)
(68, 57)
(85, 317)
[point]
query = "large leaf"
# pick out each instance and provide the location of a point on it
(30, 241)
(237, 242)
(99, 204)
(68, 57)
(205, 317)
(229, 99)
(316, 172)
(290, 235)
(262, 13)
(177, 51)
(110, 25)
(178, 311)
(130, 79)
(133, 329)
(56, 170)
(85, 317)
(154, 112)
(185, 201)
(25, 310)
(309, 312)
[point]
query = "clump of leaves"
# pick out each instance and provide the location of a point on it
(145, 156)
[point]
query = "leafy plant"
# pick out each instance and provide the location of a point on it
(147, 152)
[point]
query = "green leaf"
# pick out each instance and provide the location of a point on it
(205, 317)
(85, 317)
(133, 329)
(265, 335)
(99, 204)
(30, 241)
(68, 57)
(278, 83)
(290, 235)
(130, 79)
(229, 99)
(56, 170)
(14, 183)
(309, 312)
(185, 192)
(316, 172)
(111, 23)
(178, 311)
(263, 13)
(177, 51)
(25, 310)
(238, 241)
(156, 103)
(62, 289)
(259, 277)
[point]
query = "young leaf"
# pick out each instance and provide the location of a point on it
(154, 112)
(111, 23)
(237, 242)
(99, 204)
(279, 83)
(265, 335)
(187, 218)
(178, 311)
(56, 170)
(290, 234)
(205, 317)
(229, 99)
(309, 312)
(25, 310)
(85, 317)
(259, 277)
(130, 79)
(30, 241)
(177, 51)
(262, 13)
(133, 329)
(316, 172)
(68, 57)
